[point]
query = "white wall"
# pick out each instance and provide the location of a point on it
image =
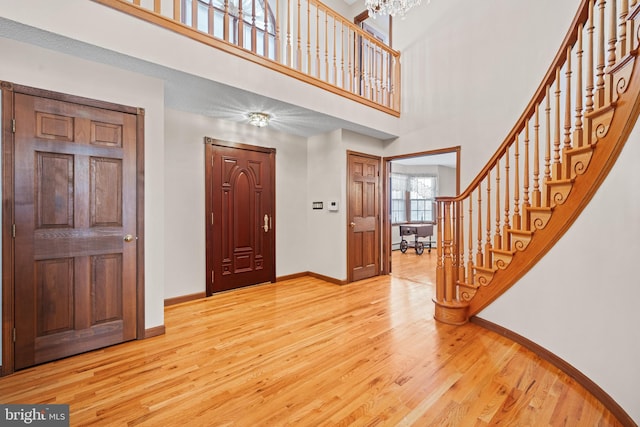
(185, 196)
(32, 66)
(327, 180)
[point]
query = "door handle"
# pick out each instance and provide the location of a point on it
(353, 224)
(128, 238)
(266, 223)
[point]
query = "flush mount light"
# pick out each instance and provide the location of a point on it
(259, 119)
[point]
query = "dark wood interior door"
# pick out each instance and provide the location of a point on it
(241, 215)
(75, 226)
(363, 234)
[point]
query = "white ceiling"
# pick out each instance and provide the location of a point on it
(194, 94)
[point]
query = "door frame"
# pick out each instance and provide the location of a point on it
(209, 208)
(386, 196)
(349, 215)
(8, 173)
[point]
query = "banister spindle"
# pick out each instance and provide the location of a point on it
(225, 21)
(194, 14)
(547, 153)
(526, 203)
(506, 245)
(536, 158)
(516, 186)
(599, 92)
(318, 41)
(254, 29)
(240, 24)
(479, 254)
(613, 34)
(157, 6)
(577, 133)
(342, 71)
(309, 37)
(210, 17)
(277, 41)
(350, 73)
(497, 239)
(556, 172)
(177, 16)
(623, 49)
(440, 279)
(299, 49)
(470, 270)
(265, 37)
(335, 67)
(487, 246)
(326, 45)
(590, 86)
(567, 102)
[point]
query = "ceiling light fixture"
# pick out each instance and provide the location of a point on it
(259, 119)
(390, 7)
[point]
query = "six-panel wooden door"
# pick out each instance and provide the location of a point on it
(75, 228)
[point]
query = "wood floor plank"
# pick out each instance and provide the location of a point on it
(305, 352)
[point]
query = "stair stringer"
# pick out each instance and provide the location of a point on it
(610, 138)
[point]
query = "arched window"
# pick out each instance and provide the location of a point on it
(208, 16)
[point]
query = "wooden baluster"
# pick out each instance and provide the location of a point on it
(577, 133)
(326, 45)
(254, 29)
(487, 246)
(590, 87)
(309, 36)
(157, 8)
(265, 38)
(289, 36)
(599, 92)
(177, 16)
(517, 224)
(567, 102)
(470, 270)
(556, 171)
(349, 56)
(497, 238)
(240, 24)
(526, 203)
(623, 48)
(613, 34)
(506, 245)
(370, 66)
(225, 21)
(440, 273)
(318, 41)
(210, 17)
(299, 48)
(277, 41)
(547, 154)
(479, 254)
(335, 67)
(461, 275)
(342, 85)
(449, 293)
(194, 14)
(536, 158)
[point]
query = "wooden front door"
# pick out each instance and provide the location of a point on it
(75, 228)
(240, 215)
(363, 231)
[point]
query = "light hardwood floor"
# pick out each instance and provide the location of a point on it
(304, 352)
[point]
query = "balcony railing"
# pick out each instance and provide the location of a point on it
(301, 38)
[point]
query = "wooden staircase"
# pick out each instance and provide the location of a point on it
(549, 166)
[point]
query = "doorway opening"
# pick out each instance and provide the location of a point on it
(412, 183)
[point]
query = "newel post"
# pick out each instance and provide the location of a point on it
(448, 309)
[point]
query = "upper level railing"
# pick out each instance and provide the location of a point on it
(566, 127)
(301, 38)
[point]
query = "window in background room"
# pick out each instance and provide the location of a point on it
(412, 198)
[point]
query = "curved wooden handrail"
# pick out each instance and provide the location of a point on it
(569, 39)
(540, 179)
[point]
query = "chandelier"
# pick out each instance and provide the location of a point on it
(390, 7)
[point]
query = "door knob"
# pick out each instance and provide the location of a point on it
(128, 238)
(353, 224)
